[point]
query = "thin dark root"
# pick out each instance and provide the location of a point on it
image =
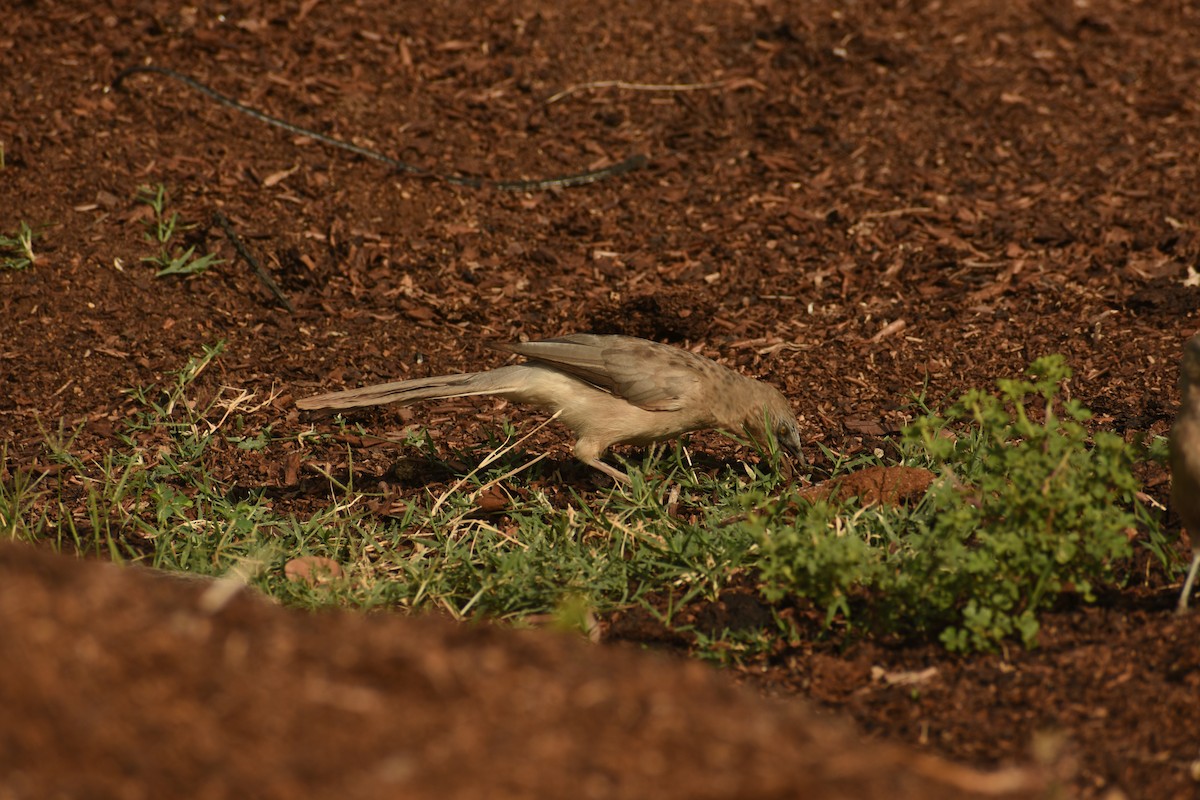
(563, 181)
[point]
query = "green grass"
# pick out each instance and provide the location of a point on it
(1029, 505)
(161, 229)
(16, 251)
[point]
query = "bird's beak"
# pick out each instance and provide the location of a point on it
(791, 443)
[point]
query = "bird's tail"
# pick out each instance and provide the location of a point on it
(497, 381)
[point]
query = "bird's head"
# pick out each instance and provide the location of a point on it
(775, 414)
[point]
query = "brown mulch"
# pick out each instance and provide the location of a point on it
(877, 200)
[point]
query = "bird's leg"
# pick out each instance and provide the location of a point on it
(588, 450)
(1187, 585)
(610, 471)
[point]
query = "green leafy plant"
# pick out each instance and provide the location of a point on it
(1028, 506)
(1047, 510)
(16, 251)
(161, 229)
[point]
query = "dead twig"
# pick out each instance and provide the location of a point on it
(539, 184)
(636, 87)
(262, 274)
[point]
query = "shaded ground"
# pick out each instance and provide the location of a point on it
(877, 197)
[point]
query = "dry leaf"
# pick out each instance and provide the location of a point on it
(890, 486)
(278, 177)
(312, 569)
(493, 501)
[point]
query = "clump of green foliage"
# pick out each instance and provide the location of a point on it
(1027, 506)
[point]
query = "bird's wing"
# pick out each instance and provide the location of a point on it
(649, 375)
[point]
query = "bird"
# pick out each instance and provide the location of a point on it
(608, 390)
(1185, 458)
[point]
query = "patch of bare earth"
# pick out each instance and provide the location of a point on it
(183, 688)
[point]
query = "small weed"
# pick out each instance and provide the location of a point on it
(734, 647)
(16, 251)
(161, 229)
